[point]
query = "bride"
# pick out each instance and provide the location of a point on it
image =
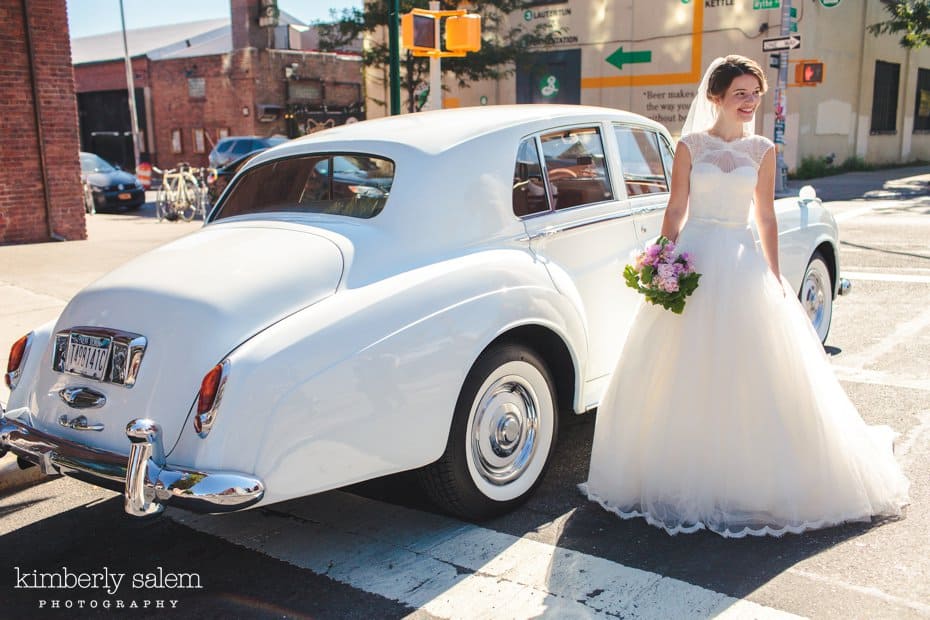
(728, 417)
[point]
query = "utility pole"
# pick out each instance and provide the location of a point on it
(133, 118)
(781, 104)
(394, 47)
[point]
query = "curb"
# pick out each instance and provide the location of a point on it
(12, 478)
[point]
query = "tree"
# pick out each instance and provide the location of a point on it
(503, 45)
(912, 17)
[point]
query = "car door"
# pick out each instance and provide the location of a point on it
(646, 160)
(582, 231)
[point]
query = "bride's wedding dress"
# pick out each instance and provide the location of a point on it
(729, 417)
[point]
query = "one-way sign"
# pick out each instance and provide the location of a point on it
(778, 44)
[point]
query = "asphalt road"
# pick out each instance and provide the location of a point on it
(379, 550)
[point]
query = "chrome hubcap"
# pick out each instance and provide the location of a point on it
(504, 429)
(814, 299)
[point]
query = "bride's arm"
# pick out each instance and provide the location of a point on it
(765, 211)
(678, 199)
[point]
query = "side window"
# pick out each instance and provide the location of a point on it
(668, 158)
(529, 192)
(642, 160)
(575, 167)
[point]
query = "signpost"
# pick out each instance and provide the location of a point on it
(785, 42)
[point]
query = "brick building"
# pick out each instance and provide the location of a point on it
(40, 192)
(198, 82)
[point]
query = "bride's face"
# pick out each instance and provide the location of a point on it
(741, 99)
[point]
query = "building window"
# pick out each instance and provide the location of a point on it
(199, 144)
(922, 105)
(197, 88)
(222, 132)
(885, 97)
(176, 141)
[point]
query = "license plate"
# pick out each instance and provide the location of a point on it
(124, 196)
(88, 355)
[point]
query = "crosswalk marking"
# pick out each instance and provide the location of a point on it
(452, 569)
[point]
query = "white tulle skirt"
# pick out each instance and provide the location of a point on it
(729, 417)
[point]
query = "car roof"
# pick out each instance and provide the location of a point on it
(438, 130)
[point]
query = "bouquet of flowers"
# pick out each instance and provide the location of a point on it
(664, 277)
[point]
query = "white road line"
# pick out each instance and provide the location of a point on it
(848, 215)
(455, 570)
(903, 333)
(873, 592)
(877, 377)
(886, 277)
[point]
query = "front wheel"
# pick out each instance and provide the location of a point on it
(817, 295)
(503, 434)
(161, 204)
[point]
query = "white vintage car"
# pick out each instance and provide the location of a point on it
(421, 292)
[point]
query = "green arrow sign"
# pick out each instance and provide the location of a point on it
(620, 57)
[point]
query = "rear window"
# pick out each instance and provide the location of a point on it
(345, 184)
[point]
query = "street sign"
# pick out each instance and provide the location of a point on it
(765, 4)
(829, 3)
(779, 44)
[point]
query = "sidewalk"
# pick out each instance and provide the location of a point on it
(884, 184)
(37, 280)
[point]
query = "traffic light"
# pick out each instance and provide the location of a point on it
(808, 73)
(418, 32)
(463, 33)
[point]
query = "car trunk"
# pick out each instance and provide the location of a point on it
(193, 301)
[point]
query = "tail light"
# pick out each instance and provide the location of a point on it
(14, 366)
(208, 399)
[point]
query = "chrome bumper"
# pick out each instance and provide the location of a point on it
(146, 481)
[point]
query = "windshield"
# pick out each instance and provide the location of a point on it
(351, 185)
(93, 163)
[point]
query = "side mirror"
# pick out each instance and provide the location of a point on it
(806, 195)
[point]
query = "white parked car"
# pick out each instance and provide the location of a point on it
(420, 292)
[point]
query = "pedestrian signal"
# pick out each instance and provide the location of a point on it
(809, 73)
(463, 33)
(418, 32)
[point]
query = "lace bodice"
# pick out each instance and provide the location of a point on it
(723, 177)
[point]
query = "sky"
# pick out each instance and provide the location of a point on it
(89, 17)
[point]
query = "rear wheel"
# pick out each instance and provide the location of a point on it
(503, 434)
(817, 295)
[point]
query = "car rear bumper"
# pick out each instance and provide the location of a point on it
(146, 481)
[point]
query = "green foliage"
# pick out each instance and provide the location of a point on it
(816, 167)
(855, 164)
(503, 46)
(910, 17)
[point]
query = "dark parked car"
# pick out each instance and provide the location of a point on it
(235, 147)
(105, 185)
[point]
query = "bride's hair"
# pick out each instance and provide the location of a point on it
(731, 68)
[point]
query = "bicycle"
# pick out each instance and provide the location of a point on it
(206, 177)
(179, 195)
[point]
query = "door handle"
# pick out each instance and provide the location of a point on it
(79, 424)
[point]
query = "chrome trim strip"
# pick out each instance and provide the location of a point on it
(12, 378)
(126, 353)
(200, 491)
(83, 397)
(552, 230)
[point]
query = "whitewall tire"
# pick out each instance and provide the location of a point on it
(816, 295)
(503, 434)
